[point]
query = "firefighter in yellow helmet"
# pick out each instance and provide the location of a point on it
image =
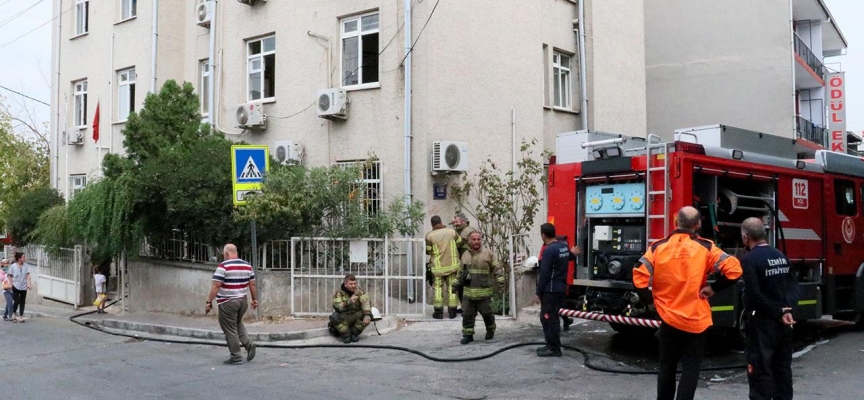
(479, 267)
(442, 245)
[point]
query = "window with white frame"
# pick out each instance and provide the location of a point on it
(82, 16)
(371, 184)
(561, 80)
(80, 111)
(76, 184)
(261, 68)
(125, 93)
(128, 9)
(360, 50)
(204, 86)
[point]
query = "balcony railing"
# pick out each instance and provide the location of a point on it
(810, 131)
(808, 57)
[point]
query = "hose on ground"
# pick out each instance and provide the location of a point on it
(586, 355)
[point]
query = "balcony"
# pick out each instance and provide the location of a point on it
(809, 72)
(810, 132)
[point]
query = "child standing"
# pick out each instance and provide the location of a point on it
(7, 290)
(100, 282)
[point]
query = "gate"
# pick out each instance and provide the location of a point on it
(391, 271)
(58, 274)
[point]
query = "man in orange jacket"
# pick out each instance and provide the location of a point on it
(674, 271)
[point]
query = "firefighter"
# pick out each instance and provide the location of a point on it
(551, 287)
(674, 272)
(479, 266)
(770, 291)
(565, 320)
(442, 247)
(353, 312)
(461, 226)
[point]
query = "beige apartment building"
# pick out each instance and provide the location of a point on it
(756, 65)
(485, 74)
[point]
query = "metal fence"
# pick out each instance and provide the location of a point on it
(391, 271)
(181, 246)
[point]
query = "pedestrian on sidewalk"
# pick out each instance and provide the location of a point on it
(352, 310)
(479, 268)
(7, 290)
(232, 279)
(551, 287)
(20, 272)
(101, 283)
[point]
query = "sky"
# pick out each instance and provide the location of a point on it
(25, 63)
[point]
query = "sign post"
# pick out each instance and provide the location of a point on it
(837, 111)
(249, 163)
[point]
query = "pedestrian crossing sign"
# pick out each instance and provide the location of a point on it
(249, 164)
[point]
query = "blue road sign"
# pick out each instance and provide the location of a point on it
(250, 163)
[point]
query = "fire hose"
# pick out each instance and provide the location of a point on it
(587, 356)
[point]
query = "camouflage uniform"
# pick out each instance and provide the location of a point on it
(442, 245)
(348, 318)
(480, 267)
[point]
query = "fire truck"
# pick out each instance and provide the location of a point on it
(614, 195)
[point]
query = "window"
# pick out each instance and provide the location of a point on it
(128, 9)
(360, 50)
(80, 104)
(261, 68)
(844, 197)
(561, 80)
(204, 86)
(76, 184)
(371, 183)
(82, 16)
(125, 93)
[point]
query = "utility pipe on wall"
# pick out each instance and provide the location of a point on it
(60, 125)
(211, 57)
(407, 151)
(155, 44)
(582, 66)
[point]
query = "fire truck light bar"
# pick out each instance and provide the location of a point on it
(688, 147)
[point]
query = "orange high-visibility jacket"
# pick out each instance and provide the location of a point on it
(675, 269)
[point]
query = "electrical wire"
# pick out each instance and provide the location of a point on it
(296, 113)
(421, 32)
(24, 95)
(12, 18)
(586, 355)
(34, 29)
(4, 3)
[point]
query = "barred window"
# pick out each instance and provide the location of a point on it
(371, 182)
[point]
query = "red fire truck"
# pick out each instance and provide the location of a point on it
(613, 195)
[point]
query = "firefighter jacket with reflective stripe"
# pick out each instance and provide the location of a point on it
(479, 268)
(342, 302)
(442, 245)
(675, 269)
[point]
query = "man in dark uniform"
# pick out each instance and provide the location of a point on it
(551, 287)
(770, 291)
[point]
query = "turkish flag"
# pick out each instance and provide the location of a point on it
(96, 124)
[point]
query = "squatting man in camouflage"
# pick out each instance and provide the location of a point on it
(353, 312)
(478, 267)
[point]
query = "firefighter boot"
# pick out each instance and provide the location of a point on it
(438, 313)
(567, 322)
(467, 339)
(452, 312)
(346, 338)
(490, 335)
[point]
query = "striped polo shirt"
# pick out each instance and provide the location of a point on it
(235, 275)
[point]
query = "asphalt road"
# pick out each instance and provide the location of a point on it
(50, 358)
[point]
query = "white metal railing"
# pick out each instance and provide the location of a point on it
(58, 272)
(391, 271)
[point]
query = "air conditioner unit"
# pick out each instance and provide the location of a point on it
(449, 156)
(250, 2)
(203, 13)
(289, 152)
(251, 116)
(333, 103)
(75, 136)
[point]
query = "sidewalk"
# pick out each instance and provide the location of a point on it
(205, 328)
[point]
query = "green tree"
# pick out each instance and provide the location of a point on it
(24, 166)
(24, 214)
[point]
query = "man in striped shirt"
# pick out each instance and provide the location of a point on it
(230, 282)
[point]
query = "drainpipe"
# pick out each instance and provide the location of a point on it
(407, 196)
(155, 44)
(582, 68)
(792, 68)
(329, 56)
(111, 100)
(211, 58)
(56, 145)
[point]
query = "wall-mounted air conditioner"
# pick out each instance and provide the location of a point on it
(449, 156)
(288, 152)
(251, 2)
(333, 103)
(75, 135)
(203, 13)
(251, 116)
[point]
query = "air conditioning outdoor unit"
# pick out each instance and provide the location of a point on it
(203, 13)
(250, 2)
(251, 116)
(75, 136)
(333, 103)
(289, 152)
(449, 156)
